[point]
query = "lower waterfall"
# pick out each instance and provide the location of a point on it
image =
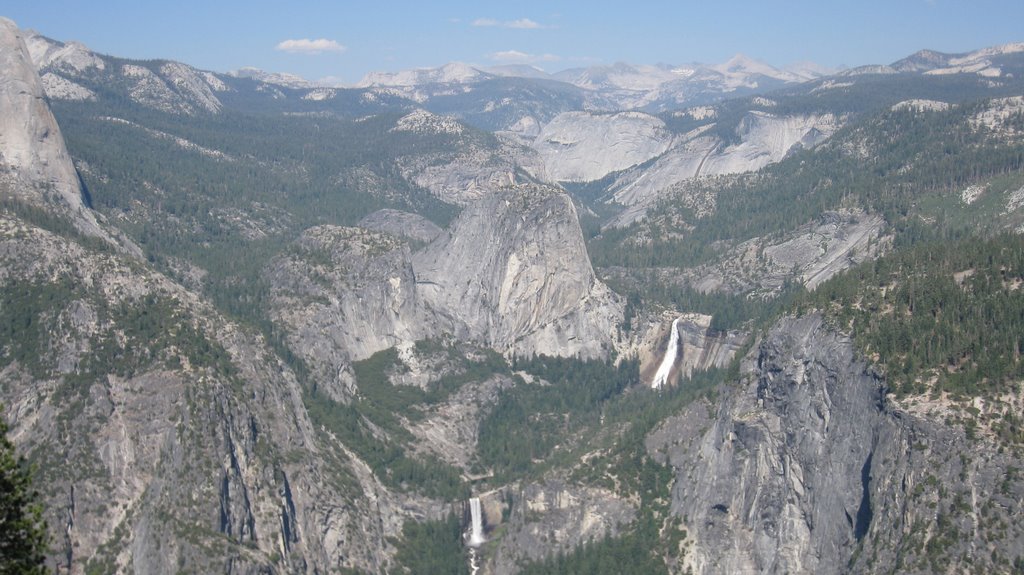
(476, 533)
(661, 376)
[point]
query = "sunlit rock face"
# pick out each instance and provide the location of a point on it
(34, 163)
(805, 466)
(583, 147)
(514, 273)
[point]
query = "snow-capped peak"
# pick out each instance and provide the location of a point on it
(620, 76)
(1001, 50)
(451, 73)
(741, 65)
(281, 79)
(518, 71)
(457, 72)
(809, 70)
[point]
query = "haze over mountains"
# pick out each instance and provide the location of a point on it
(249, 324)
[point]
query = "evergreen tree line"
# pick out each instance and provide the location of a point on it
(949, 310)
(528, 421)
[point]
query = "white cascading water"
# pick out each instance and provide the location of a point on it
(661, 376)
(476, 534)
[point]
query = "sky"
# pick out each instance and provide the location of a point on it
(340, 41)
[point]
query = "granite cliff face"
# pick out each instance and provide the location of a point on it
(556, 516)
(809, 255)
(168, 437)
(343, 294)
(583, 147)
(648, 161)
(514, 274)
(172, 437)
(762, 138)
(805, 467)
(35, 166)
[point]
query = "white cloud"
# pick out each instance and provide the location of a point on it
(517, 57)
(307, 46)
(520, 24)
(524, 24)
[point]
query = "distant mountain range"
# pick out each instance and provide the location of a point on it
(654, 88)
(622, 85)
(482, 93)
(740, 70)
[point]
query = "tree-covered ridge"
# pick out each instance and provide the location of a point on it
(940, 316)
(432, 547)
(530, 420)
(374, 423)
(312, 170)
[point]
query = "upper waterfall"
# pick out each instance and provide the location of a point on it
(661, 376)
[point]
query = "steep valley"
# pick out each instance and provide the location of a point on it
(724, 322)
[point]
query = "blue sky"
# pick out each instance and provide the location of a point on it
(344, 40)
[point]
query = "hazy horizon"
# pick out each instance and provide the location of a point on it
(342, 43)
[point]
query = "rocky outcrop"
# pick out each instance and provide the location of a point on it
(71, 57)
(404, 224)
(60, 88)
(35, 166)
(556, 517)
(167, 437)
(450, 430)
(462, 176)
(457, 164)
(514, 275)
(583, 147)
(343, 294)
(762, 267)
(69, 69)
(763, 138)
(804, 467)
(420, 121)
(810, 255)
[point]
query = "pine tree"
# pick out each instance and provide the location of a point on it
(22, 531)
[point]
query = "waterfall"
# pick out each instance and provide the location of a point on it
(661, 376)
(476, 535)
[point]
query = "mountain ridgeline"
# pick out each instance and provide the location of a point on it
(650, 319)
